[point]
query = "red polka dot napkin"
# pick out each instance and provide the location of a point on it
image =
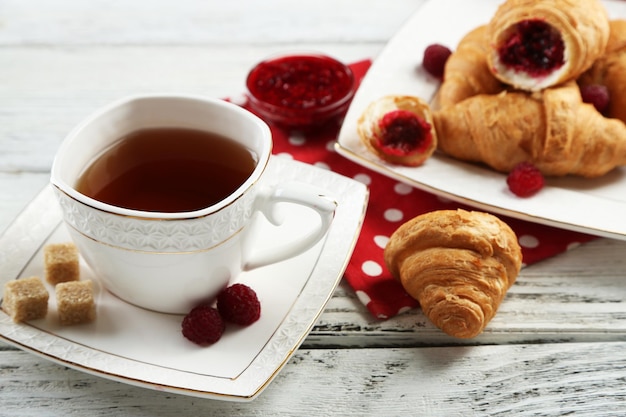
(392, 203)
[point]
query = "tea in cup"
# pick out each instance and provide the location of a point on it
(160, 192)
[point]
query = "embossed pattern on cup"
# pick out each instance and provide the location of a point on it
(173, 235)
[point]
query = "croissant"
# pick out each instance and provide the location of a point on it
(458, 264)
(553, 129)
(538, 44)
(610, 71)
(399, 129)
(466, 73)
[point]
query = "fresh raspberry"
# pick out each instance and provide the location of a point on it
(203, 325)
(525, 180)
(596, 94)
(239, 304)
(435, 58)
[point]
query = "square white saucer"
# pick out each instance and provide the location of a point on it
(144, 348)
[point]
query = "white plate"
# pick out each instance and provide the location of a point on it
(144, 348)
(595, 206)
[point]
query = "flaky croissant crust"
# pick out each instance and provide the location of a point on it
(553, 129)
(458, 264)
(466, 72)
(610, 71)
(582, 24)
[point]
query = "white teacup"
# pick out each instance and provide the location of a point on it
(170, 262)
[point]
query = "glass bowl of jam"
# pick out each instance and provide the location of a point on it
(300, 91)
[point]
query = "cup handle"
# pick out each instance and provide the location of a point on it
(297, 193)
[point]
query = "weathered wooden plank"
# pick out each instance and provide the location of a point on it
(553, 379)
(189, 22)
(16, 190)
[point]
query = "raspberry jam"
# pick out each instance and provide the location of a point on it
(534, 47)
(300, 90)
(404, 133)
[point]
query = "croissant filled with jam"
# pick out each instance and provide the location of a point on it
(539, 44)
(544, 47)
(399, 129)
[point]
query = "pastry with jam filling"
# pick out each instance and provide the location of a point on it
(538, 44)
(399, 129)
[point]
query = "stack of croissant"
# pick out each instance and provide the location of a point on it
(458, 264)
(498, 116)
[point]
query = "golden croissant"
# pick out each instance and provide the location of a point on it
(553, 129)
(466, 73)
(538, 44)
(458, 264)
(610, 71)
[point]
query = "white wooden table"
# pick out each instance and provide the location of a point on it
(556, 347)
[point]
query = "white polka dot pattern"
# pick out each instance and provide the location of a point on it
(297, 140)
(393, 215)
(381, 241)
(528, 241)
(402, 189)
(363, 178)
(371, 268)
